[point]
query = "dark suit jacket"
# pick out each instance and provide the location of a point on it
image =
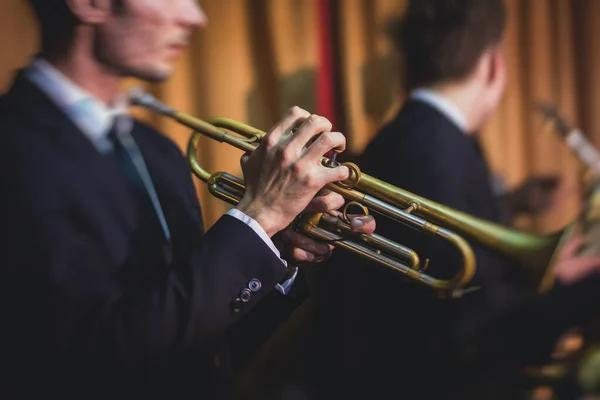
(402, 327)
(85, 308)
(422, 151)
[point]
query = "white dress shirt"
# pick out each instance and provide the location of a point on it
(95, 120)
(443, 105)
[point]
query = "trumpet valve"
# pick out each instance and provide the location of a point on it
(331, 162)
(354, 179)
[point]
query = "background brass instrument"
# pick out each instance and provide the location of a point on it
(532, 251)
(577, 353)
(582, 148)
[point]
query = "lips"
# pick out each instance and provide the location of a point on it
(179, 44)
(177, 48)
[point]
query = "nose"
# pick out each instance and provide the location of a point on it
(192, 15)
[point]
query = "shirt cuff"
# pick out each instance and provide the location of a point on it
(234, 212)
(287, 285)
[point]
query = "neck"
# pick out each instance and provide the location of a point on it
(77, 62)
(465, 97)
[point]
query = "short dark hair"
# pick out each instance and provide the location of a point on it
(54, 17)
(443, 39)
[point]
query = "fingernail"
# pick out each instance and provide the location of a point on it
(323, 250)
(357, 224)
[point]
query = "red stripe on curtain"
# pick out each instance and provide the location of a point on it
(325, 79)
(325, 82)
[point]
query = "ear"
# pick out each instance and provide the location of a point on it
(90, 11)
(497, 70)
(483, 68)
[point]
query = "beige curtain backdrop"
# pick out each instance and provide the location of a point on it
(257, 58)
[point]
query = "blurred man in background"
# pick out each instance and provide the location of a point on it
(455, 77)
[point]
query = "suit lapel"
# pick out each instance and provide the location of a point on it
(98, 173)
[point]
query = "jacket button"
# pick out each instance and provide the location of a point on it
(246, 295)
(254, 285)
(236, 305)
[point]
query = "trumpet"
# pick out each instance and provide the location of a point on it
(371, 194)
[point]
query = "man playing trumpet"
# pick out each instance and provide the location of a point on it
(111, 282)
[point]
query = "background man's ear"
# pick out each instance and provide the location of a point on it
(89, 11)
(498, 70)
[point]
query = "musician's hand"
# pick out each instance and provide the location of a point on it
(300, 248)
(283, 174)
(571, 268)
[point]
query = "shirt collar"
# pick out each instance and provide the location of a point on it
(443, 105)
(86, 111)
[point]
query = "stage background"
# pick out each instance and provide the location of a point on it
(256, 58)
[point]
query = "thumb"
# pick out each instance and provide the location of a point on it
(244, 159)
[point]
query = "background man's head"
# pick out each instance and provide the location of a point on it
(454, 42)
(137, 38)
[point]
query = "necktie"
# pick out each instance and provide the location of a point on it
(151, 233)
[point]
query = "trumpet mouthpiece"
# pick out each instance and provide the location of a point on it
(140, 98)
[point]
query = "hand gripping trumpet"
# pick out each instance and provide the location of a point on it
(369, 193)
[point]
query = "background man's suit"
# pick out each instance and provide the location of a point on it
(404, 326)
(82, 295)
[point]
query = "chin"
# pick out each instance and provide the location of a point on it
(153, 74)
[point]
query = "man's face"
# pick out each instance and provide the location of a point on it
(141, 38)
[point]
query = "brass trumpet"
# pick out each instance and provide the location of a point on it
(534, 251)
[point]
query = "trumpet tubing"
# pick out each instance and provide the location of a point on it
(329, 228)
(423, 215)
